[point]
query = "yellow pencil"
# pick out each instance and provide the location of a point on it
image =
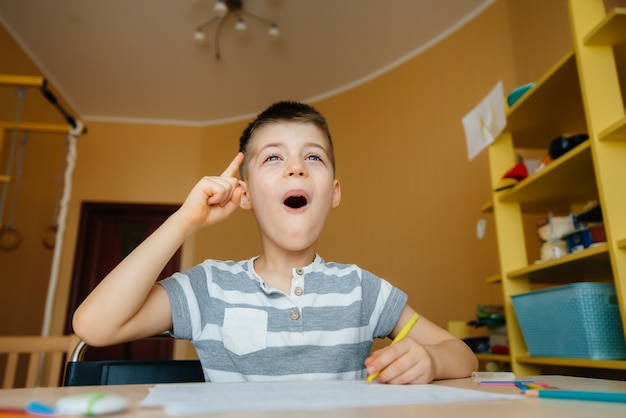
(402, 334)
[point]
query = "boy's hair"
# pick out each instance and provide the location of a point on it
(290, 112)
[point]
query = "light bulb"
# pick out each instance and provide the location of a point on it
(220, 9)
(199, 37)
(240, 26)
(273, 32)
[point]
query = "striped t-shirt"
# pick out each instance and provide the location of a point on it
(244, 330)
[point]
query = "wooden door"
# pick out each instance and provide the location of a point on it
(109, 232)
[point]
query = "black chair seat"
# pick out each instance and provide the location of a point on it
(124, 372)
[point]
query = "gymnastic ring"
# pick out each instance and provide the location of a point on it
(48, 237)
(10, 239)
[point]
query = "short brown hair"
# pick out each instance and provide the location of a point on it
(286, 111)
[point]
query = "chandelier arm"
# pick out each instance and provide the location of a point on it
(207, 23)
(259, 18)
(218, 54)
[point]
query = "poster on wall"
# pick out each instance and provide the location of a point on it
(485, 122)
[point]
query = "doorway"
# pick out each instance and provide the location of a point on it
(108, 232)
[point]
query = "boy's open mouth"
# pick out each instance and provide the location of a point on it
(295, 202)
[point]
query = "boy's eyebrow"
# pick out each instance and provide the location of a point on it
(305, 145)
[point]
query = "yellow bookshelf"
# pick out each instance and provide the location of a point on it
(580, 94)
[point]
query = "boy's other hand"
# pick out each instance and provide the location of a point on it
(214, 198)
(404, 362)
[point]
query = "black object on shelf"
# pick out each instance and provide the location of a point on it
(590, 215)
(561, 144)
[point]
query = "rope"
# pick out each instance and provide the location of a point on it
(72, 138)
(63, 207)
(48, 236)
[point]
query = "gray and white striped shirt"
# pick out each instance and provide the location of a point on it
(244, 330)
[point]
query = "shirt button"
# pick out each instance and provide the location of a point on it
(299, 271)
(294, 315)
(298, 291)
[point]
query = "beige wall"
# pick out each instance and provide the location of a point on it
(411, 199)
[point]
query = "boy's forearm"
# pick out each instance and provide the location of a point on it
(112, 305)
(452, 359)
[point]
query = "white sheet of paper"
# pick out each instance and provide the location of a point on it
(201, 398)
(485, 122)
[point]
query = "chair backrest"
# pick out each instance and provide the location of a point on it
(31, 361)
(125, 372)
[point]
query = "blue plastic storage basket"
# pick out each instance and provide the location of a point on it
(579, 320)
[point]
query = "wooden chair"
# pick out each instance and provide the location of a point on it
(43, 359)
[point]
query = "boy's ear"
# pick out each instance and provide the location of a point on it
(336, 194)
(244, 202)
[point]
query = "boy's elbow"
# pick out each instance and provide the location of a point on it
(78, 325)
(86, 329)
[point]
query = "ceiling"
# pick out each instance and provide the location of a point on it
(136, 60)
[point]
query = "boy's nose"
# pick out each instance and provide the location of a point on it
(296, 168)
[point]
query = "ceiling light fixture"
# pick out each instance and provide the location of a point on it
(224, 9)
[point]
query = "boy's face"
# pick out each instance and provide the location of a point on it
(290, 184)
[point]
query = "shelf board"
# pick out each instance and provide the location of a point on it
(487, 207)
(568, 179)
(551, 108)
(573, 362)
(496, 278)
(610, 31)
(493, 357)
(621, 243)
(615, 132)
(591, 264)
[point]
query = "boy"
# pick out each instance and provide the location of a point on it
(285, 314)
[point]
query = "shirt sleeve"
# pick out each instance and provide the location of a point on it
(387, 303)
(184, 291)
(181, 322)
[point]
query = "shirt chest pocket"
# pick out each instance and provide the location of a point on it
(245, 330)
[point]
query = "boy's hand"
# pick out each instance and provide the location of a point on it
(213, 198)
(407, 361)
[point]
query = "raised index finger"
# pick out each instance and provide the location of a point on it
(233, 167)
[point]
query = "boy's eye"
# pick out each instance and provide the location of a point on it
(314, 157)
(272, 158)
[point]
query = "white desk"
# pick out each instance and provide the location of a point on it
(527, 407)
